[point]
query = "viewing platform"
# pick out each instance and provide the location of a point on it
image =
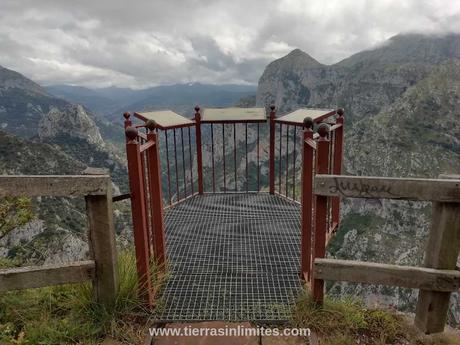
(232, 256)
(232, 236)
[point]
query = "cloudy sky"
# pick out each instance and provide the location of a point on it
(141, 43)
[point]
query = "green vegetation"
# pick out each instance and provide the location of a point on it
(362, 223)
(68, 315)
(14, 212)
(348, 322)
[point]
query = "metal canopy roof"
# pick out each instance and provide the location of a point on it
(165, 119)
(233, 115)
(297, 117)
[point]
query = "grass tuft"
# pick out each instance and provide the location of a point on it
(68, 314)
(347, 321)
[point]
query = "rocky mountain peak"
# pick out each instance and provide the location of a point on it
(72, 120)
(286, 73)
(296, 59)
(10, 79)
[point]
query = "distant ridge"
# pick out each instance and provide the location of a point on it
(405, 48)
(12, 79)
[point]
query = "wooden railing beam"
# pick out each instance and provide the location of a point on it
(441, 190)
(52, 185)
(46, 275)
(391, 275)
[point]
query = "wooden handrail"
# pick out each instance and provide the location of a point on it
(46, 275)
(391, 275)
(388, 188)
(53, 185)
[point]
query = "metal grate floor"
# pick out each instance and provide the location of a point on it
(232, 257)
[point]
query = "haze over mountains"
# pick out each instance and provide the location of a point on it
(402, 111)
(180, 97)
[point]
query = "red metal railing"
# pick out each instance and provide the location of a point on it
(295, 154)
(320, 215)
(179, 150)
(146, 201)
(225, 148)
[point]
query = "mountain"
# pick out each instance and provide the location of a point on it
(402, 105)
(57, 231)
(22, 103)
(409, 48)
(42, 134)
(112, 102)
(363, 83)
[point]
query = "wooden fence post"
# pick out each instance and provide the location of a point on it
(199, 153)
(307, 199)
(101, 235)
(272, 150)
(337, 169)
(138, 210)
(441, 253)
(319, 245)
(156, 196)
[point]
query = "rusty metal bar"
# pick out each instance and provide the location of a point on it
(247, 176)
(199, 152)
(190, 159)
(287, 159)
(338, 157)
(183, 161)
(145, 167)
(139, 215)
(156, 200)
(146, 146)
(175, 163)
(306, 202)
(319, 248)
(142, 135)
(212, 160)
(293, 162)
(223, 156)
(280, 159)
(168, 167)
(272, 151)
(234, 154)
(258, 157)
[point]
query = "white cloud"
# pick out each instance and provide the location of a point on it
(142, 43)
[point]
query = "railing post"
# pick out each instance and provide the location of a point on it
(101, 234)
(337, 169)
(138, 211)
(127, 122)
(199, 153)
(319, 245)
(156, 196)
(307, 199)
(441, 253)
(272, 150)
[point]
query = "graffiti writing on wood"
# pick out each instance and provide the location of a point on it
(360, 187)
